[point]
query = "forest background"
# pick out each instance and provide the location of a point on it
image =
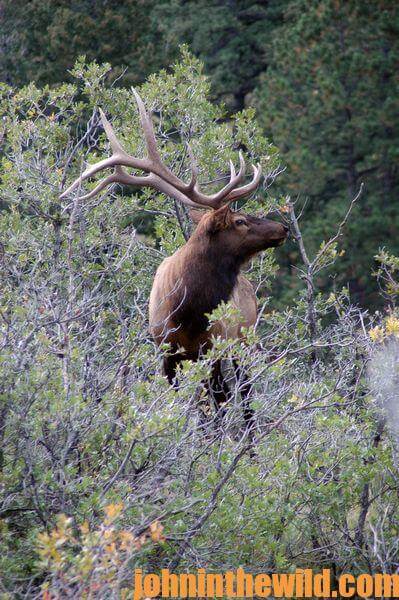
(103, 466)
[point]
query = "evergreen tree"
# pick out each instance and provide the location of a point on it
(329, 99)
(229, 36)
(41, 39)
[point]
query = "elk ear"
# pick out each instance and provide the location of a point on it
(196, 215)
(220, 219)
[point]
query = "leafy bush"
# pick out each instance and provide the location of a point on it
(89, 426)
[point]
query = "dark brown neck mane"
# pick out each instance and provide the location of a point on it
(209, 275)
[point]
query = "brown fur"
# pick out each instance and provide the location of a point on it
(203, 273)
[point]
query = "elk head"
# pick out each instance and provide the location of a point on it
(241, 235)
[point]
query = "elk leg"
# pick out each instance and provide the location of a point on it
(218, 388)
(245, 389)
(169, 367)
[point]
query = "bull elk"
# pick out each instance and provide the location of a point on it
(205, 271)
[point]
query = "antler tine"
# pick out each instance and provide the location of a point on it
(148, 129)
(101, 185)
(151, 180)
(113, 140)
(234, 180)
(118, 176)
(119, 157)
(244, 190)
(157, 165)
(194, 169)
(89, 172)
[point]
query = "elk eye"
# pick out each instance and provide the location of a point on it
(240, 222)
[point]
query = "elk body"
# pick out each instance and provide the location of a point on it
(205, 271)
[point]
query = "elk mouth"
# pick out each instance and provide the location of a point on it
(285, 235)
(281, 233)
(271, 243)
(280, 240)
(277, 242)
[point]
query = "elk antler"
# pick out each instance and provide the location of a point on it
(160, 177)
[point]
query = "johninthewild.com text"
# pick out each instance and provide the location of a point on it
(303, 583)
